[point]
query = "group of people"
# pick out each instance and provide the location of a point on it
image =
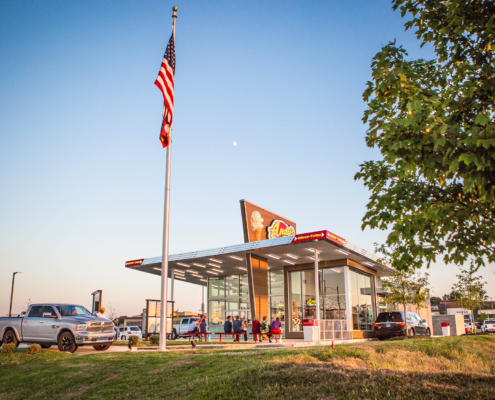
(262, 329)
(199, 326)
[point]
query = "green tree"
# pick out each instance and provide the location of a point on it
(435, 300)
(405, 287)
(482, 317)
(433, 122)
(470, 289)
(452, 296)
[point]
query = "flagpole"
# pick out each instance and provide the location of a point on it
(166, 214)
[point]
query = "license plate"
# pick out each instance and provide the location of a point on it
(387, 325)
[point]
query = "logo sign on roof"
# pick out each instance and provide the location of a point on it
(261, 224)
(306, 237)
(134, 263)
(279, 228)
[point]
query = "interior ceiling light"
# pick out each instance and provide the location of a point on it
(237, 258)
(291, 256)
(217, 270)
(184, 265)
(343, 252)
(215, 260)
(158, 269)
(180, 277)
(272, 256)
(215, 265)
(368, 263)
(289, 262)
(199, 265)
(336, 270)
(244, 269)
(204, 280)
(178, 271)
(211, 272)
(313, 250)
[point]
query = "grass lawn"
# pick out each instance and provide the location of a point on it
(442, 368)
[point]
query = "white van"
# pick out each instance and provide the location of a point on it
(126, 331)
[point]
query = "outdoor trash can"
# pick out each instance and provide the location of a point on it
(445, 329)
(310, 328)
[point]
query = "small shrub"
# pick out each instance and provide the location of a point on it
(34, 348)
(134, 340)
(155, 339)
(8, 348)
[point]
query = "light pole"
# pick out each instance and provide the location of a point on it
(12, 292)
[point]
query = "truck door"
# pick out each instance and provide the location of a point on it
(31, 323)
(48, 324)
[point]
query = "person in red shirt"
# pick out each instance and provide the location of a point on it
(257, 328)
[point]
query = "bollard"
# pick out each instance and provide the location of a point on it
(445, 329)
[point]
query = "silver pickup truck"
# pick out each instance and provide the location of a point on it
(66, 325)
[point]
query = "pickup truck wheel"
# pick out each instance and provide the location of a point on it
(102, 347)
(66, 342)
(9, 337)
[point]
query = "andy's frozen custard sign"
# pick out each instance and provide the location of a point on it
(260, 224)
(279, 228)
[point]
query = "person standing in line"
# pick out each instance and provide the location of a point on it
(265, 328)
(257, 328)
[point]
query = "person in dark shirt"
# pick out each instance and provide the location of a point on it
(227, 327)
(203, 327)
(239, 328)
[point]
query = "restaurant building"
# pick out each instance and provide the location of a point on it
(273, 274)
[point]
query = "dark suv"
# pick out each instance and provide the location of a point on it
(390, 324)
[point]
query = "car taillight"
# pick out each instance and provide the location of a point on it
(401, 323)
(129, 333)
(377, 324)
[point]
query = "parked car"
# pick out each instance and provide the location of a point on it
(467, 327)
(488, 325)
(184, 324)
(125, 332)
(479, 327)
(66, 325)
(391, 324)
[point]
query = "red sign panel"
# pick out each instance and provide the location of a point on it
(306, 237)
(134, 263)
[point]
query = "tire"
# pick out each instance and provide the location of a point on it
(428, 332)
(122, 338)
(102, 347)
(66, 342)
(46, 346)
(381, 338)
(9, 337)
(411, 332)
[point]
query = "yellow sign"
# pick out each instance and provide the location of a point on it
(279, 228)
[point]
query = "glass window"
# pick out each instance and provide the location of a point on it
(277, 308)
(231, 305)
(35, 312)
(332, 293)
(216, 287)
(308, 294)
(232, 286)
(276, 280)
(216, 312)
(243, 286)
(295, 300)
(361, 301)
(244, 304)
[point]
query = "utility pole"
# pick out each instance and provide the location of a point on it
(12, 292)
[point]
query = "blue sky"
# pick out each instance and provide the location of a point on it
(81, 166)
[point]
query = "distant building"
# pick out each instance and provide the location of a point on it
(455, 308)
(136, 320)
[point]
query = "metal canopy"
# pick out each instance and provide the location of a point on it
(195, 267)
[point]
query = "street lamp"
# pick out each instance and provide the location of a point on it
(12, 292)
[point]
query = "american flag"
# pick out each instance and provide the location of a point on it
(165, 82)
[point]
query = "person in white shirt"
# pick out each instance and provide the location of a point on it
(193, 327)
(101, 313)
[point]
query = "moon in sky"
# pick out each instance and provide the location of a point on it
(235, 143)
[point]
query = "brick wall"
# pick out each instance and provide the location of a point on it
(456, 324)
